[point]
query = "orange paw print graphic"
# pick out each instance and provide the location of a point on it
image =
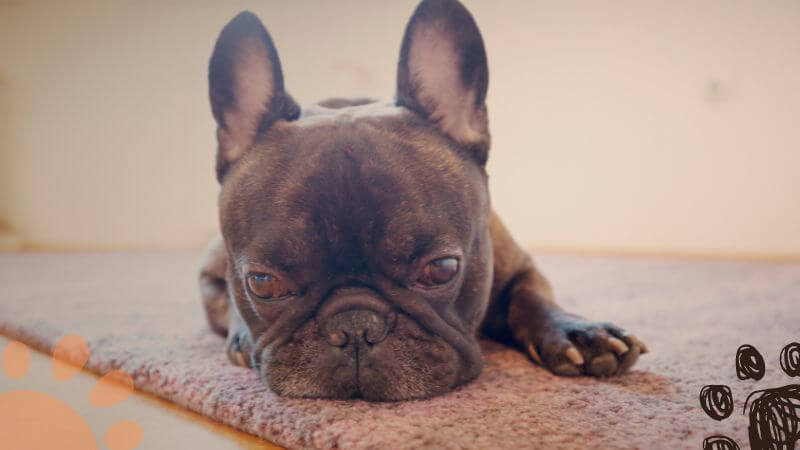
(35, 420)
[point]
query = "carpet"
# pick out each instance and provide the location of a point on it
(141, 313)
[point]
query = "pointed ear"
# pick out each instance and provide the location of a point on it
(245, 84)
(442, 73)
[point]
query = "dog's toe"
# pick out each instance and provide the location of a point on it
(566, 370)
(603, 365)
(238, 349)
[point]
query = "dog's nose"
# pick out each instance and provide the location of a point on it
(355, 326)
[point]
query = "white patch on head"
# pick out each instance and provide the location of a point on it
(434, 65)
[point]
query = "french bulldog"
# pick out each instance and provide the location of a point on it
(359, 255)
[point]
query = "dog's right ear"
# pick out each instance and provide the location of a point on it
(245, 83)
(443, 74)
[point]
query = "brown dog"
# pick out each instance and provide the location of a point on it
(359, 254)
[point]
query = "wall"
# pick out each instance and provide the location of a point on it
(627, 126)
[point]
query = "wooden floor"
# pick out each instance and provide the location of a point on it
(164, 424)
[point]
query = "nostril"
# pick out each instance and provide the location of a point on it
(374, 335)
(337, 338)
(351, 326)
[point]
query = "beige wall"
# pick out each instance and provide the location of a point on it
(632, 126)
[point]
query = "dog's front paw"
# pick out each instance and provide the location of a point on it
(239, 348)
(570, 345)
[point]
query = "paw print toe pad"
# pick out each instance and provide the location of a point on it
(749, 363)
(790, 359)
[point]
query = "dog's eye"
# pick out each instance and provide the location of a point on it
(266, 286)
(439, 271)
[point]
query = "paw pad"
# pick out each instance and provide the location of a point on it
(774, 413)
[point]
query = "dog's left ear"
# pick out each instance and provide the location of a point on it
(245, 83)
(443, 75)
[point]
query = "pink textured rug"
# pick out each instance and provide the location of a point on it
(141, 313)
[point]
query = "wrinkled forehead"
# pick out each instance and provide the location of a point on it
(349, 180)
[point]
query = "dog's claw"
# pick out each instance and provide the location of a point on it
(534, 355)
(617, 346)
(574, 356)
(240, 359)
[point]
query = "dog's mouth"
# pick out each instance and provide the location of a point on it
(387, 360)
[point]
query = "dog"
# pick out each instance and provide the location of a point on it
(359, 255)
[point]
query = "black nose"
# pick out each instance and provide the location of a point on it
(354, 327)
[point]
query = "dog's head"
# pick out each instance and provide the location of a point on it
(357, 230)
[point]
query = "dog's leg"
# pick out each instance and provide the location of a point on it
(213, 287)
(522, 311)
(222, 316)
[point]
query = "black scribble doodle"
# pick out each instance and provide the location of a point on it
(749, 363)
(774, 413)
(717, 401)
(719, 443)
(790, 359)
(775, 418)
